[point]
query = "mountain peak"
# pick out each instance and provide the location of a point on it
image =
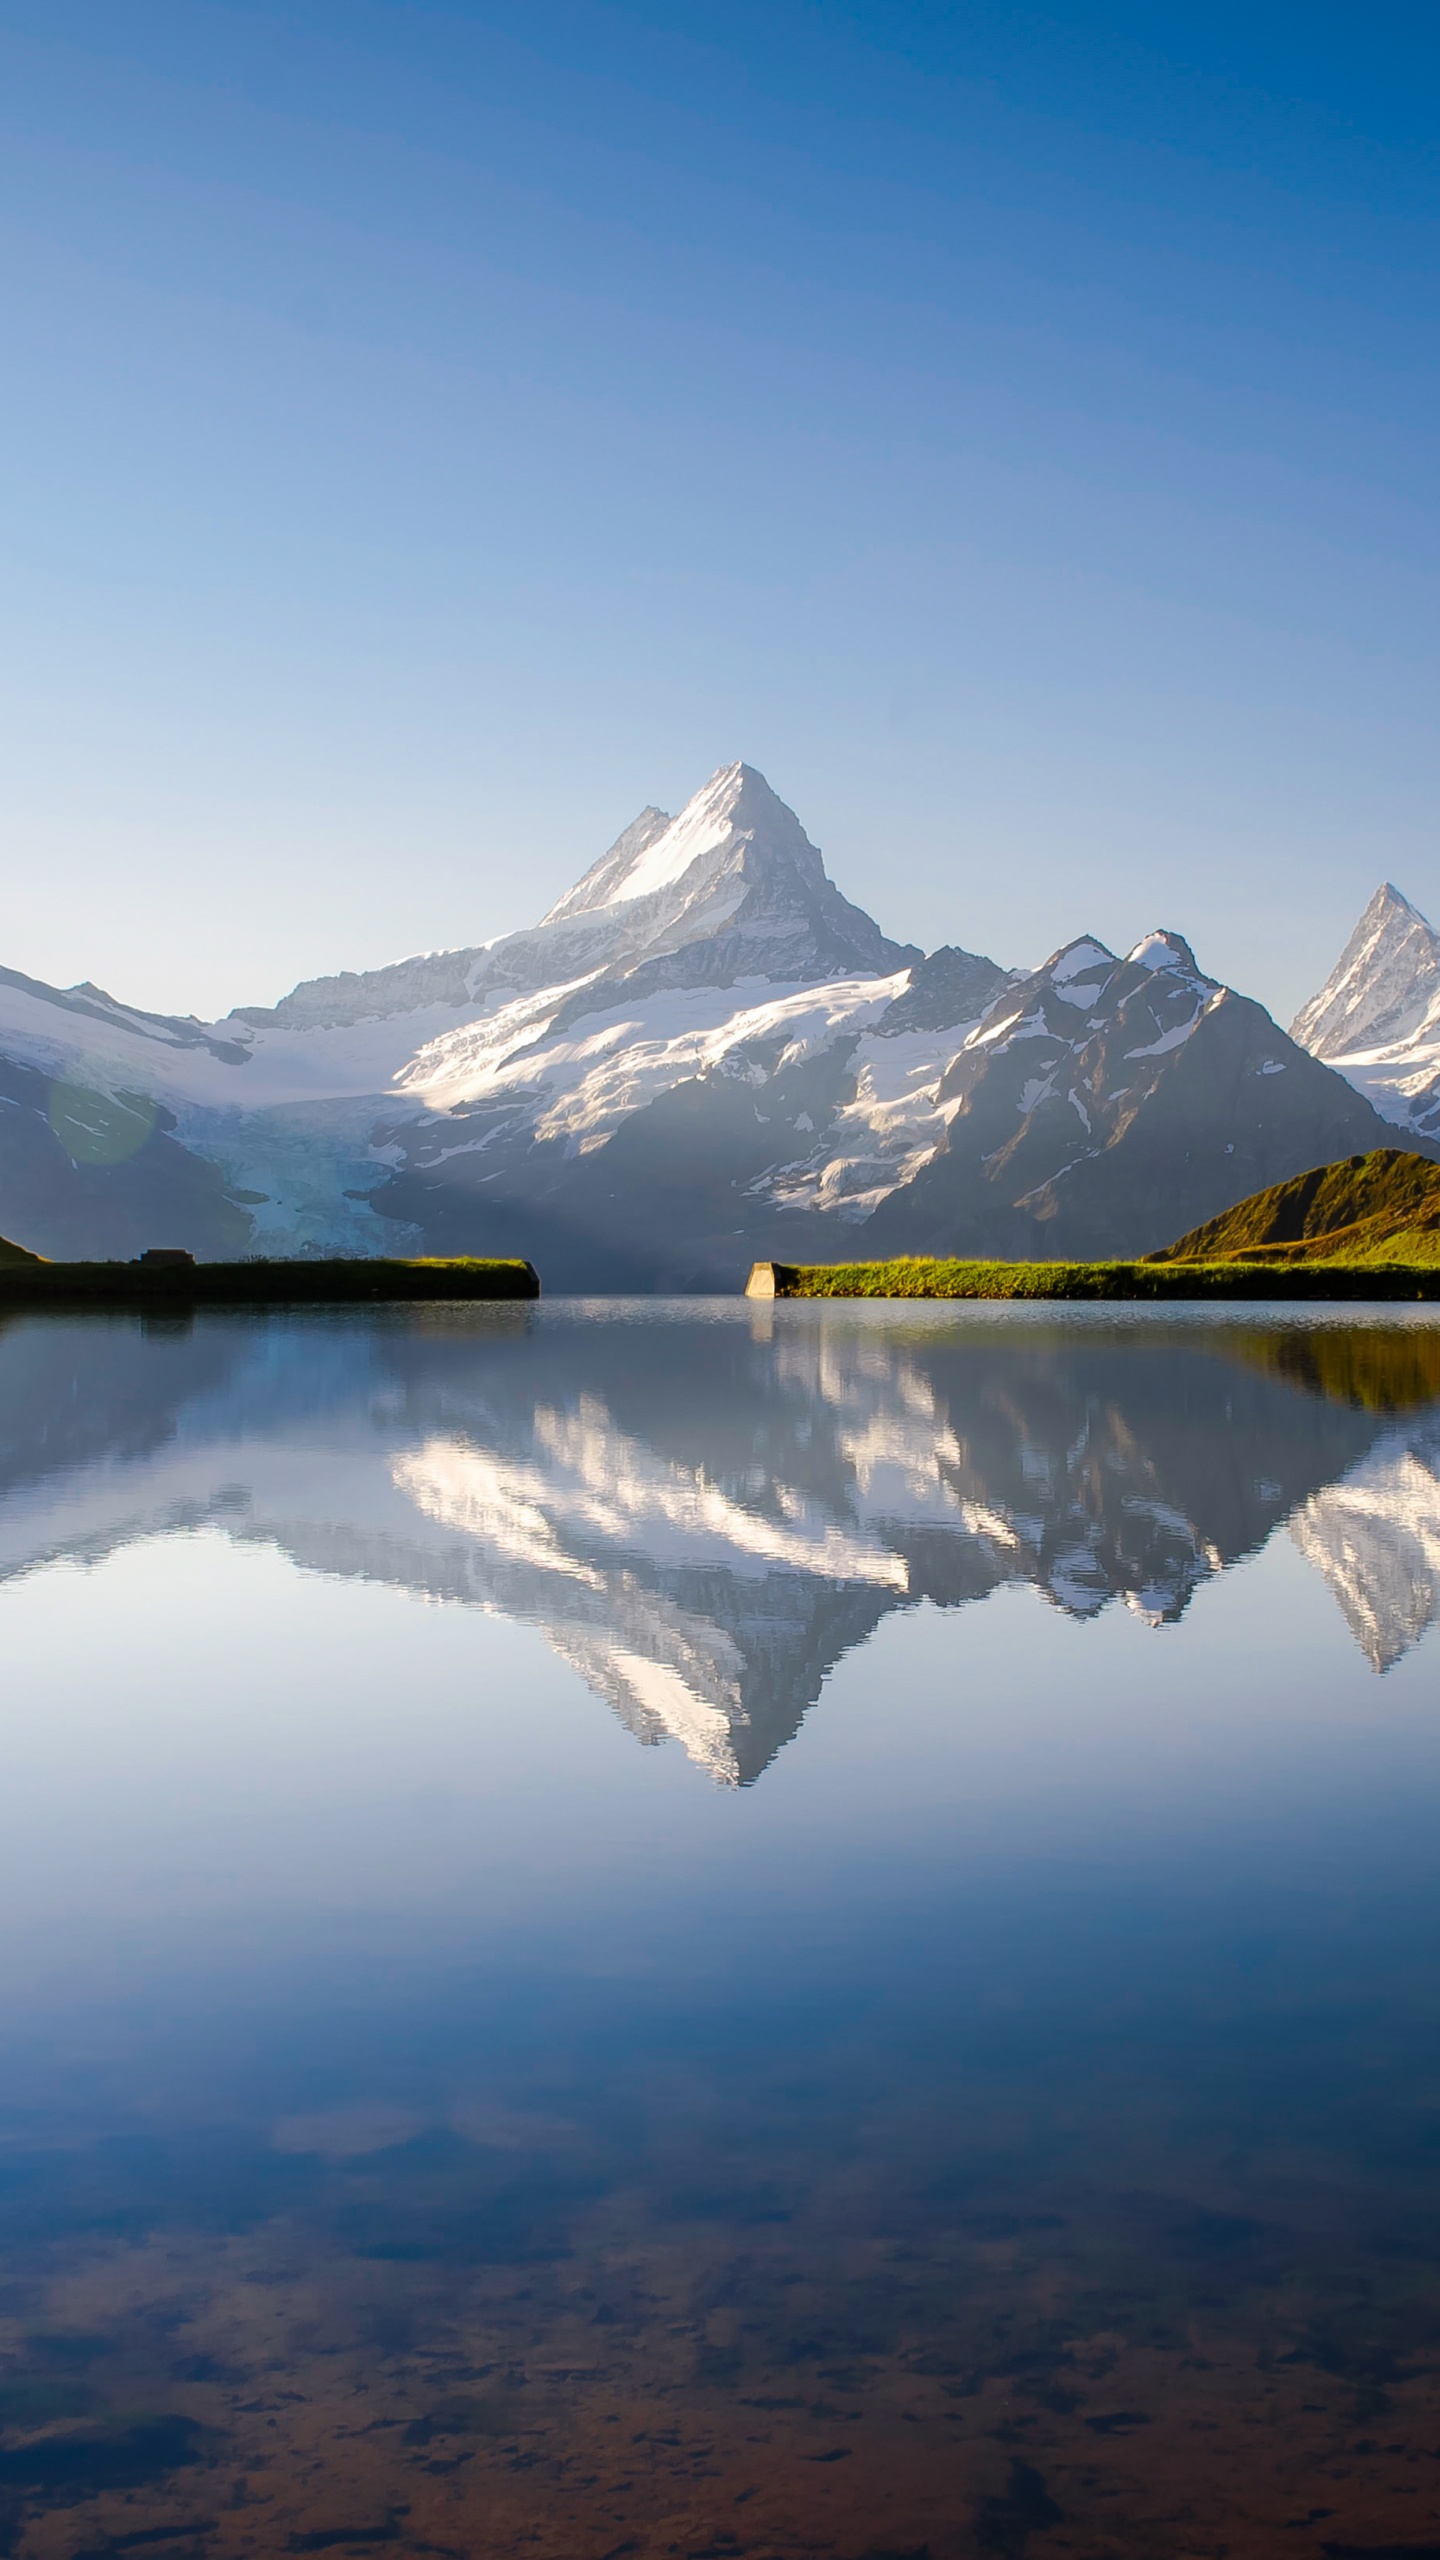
(1383, 986)
(1085, 957)
(598, 886)
(736, 807)
(1388, 897)
(731, 888)
(1164, 949)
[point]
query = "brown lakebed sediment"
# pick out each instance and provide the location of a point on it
(1115, 2374)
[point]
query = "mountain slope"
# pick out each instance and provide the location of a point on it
(732, 888)
(465, 1094)
(1103, 1102)
(1383, 1207)
(1382, 985)
(702, 1056)
(657, 1143)
(1377, 1017)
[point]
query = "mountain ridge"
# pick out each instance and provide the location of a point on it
(703, 1055)
(733, 876)
(1100, 1099)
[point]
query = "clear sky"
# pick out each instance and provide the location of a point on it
(429, 432)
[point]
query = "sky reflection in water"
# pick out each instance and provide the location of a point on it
(990, 2105)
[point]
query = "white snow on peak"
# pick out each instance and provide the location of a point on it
(1384, 984)
(1376, 1020)
(1158, 951)
(656, 852)
(704, 824)
(593, 890)
(1079, 960)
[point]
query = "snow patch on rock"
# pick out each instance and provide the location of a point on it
(1376, 1020)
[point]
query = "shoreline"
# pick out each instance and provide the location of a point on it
(334, 1282)
(920, 1278)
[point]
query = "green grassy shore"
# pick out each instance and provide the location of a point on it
(918, 1277)
(1365, 1227)
(32, 1283)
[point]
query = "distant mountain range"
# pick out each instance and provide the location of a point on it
(701, 1055)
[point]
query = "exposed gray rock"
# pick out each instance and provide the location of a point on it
(1383, 985)
(1377, 1017)
(1100, 1099)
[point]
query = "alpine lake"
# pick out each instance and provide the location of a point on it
(689, 1927)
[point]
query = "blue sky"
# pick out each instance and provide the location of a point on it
(429, 432)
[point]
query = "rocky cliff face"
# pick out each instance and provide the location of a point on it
(1102, 1100)
(732, 888)
(703, 1054)
(1382, 986)
(1377, 1017)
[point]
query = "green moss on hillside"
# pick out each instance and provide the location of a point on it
(1365, 1210)
(1366, 1227)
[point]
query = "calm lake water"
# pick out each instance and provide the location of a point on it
(691, 1929)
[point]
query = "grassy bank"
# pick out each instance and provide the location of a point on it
(1383, 1208)
(917, 1276)
(32, 1284)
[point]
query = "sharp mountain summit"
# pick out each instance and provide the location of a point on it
(703, 1054)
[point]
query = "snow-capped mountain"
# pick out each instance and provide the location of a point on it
(731, 890)
(702, 1530)
(701, 1055)
(1100, 1096)
(1377, 1017)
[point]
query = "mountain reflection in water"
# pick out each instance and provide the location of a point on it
(703, 1531)
(430, 2125)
